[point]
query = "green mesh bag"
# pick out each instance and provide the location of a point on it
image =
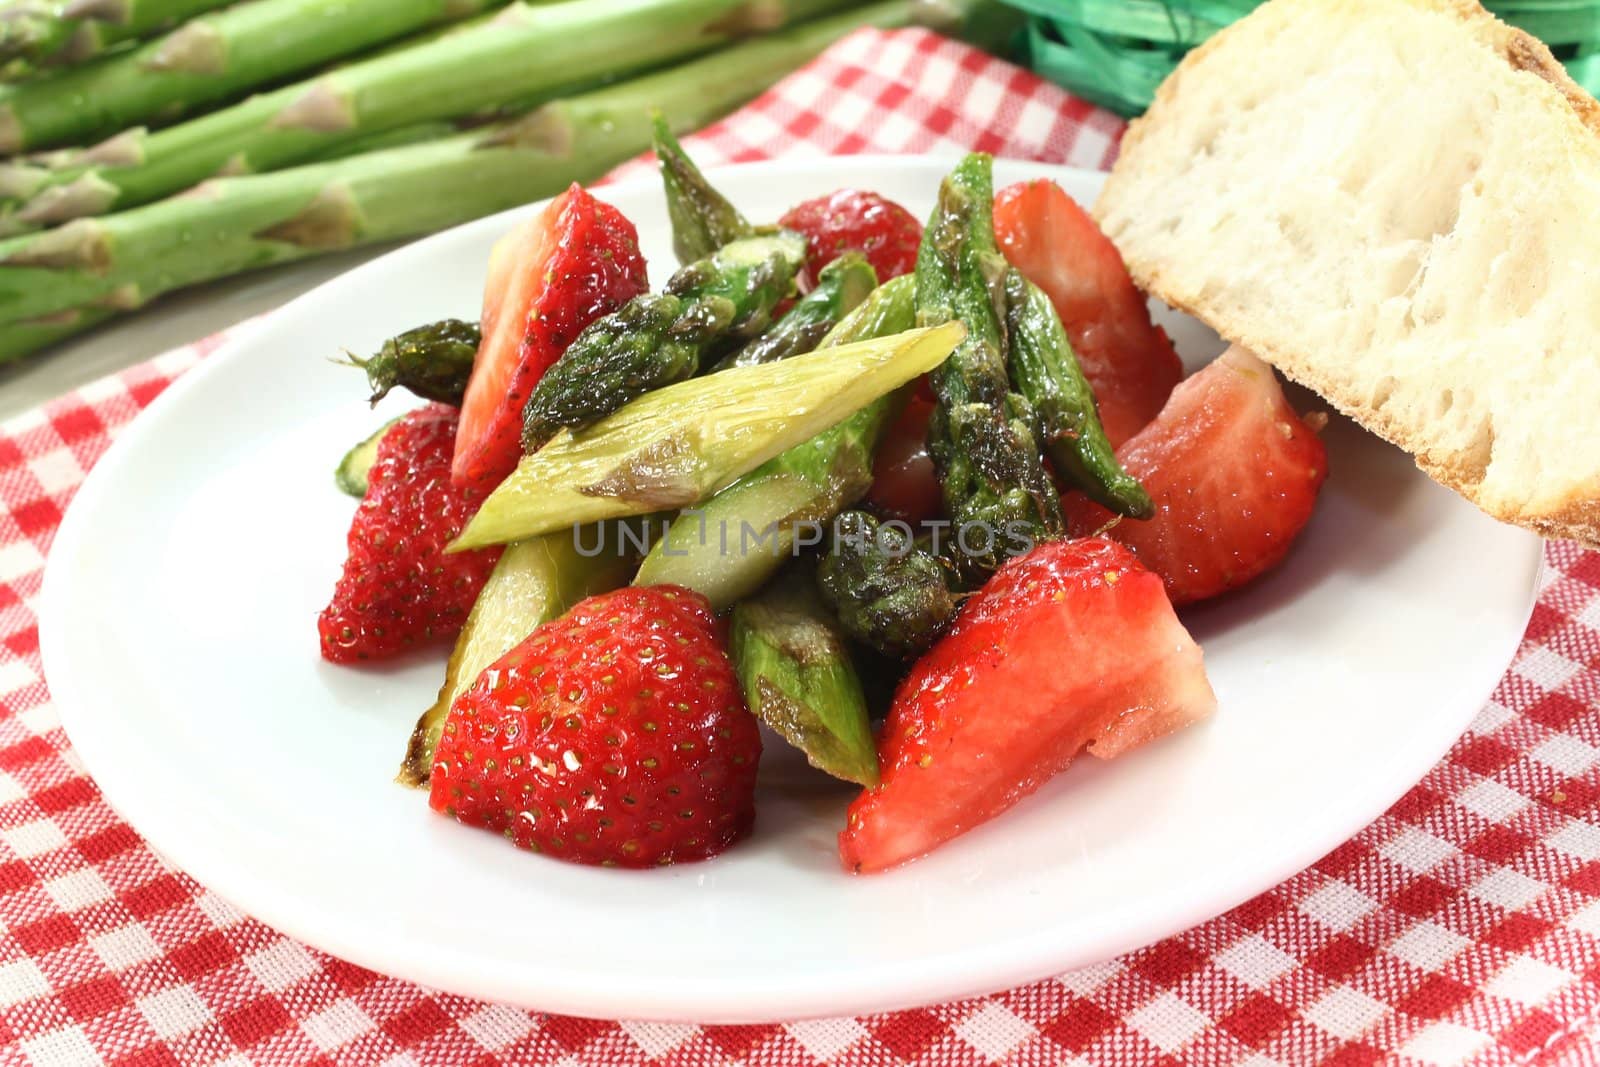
(1115, 52)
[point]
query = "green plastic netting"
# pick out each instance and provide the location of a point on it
(1115, 52)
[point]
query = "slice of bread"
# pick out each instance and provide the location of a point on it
(1397, 203)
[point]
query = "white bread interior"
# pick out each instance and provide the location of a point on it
(1397, 203)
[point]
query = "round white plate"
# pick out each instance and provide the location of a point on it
(179, 637)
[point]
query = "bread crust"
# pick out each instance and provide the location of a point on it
(1577, 515)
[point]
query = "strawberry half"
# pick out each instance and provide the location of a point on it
(614, 735)
(573, 262)
(400, 589)
(1234, 473)
(852, 220)
(988, 714)
(1129, 362)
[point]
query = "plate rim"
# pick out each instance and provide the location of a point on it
(882, 987)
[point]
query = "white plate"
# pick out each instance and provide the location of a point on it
(179, 637)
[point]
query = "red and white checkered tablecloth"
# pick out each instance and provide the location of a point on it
(1463, 926)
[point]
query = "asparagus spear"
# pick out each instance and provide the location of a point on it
(888, 593)
(56, 33)
(983, 447)
(208, 59)
(1045, 370)
(30, 335)
(432, 361)
(677, 446)
(798, 678)
(92, 266)
(781, 499)
(534, 581)
(522, 56)
(841, 286)
(702, 218)
(661, 338)
(352, 472)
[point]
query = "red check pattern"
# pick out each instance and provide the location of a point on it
(1463, 926)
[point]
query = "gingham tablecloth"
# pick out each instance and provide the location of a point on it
(1463, 926)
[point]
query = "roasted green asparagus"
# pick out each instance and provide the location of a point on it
(661, 338)
(981, 437)
(730, 545)
(432, 361)
(795, 668)
(1047, 373)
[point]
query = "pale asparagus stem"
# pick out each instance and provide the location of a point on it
(210, 58)
(237, 224)
(477, 69)
(52, 33)
(20, 338)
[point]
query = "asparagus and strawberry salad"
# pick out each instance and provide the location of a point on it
(918, 499)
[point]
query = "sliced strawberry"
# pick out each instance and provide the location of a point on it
(1129, 361)
(988, 714)
(1234, 473)
(853, 220)
(574, 261)
(904, 486)
(400, 589)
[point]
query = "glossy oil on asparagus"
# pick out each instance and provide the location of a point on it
(798, 677)
(677, 446)
(661, 338)
(1047, 373)
(841, 286)
(703, 220)
(887, 591)
(981, 437)
(795, 492)
(432, 361)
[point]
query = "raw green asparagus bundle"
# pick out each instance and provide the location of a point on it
(1047, 373)
(56, 283)
(432, 361)
(210, 58)
(661, 338)
(66, 32)
(807, 484)
(524, 54)
(981, 435)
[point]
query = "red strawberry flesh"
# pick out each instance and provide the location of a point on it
(613, 735)
(989, 715)
(574, 261)
(1234, 473)
(904, 485)
(400, 589)
(855, 220)
(1129, 362)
